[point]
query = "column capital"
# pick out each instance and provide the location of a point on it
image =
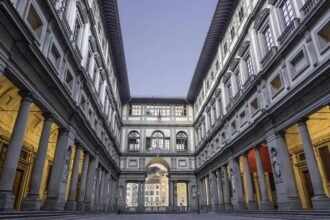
(48, 116)
(245, 154)
(302, 121)
(26, 95)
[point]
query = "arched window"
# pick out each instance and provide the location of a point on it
(133, 141)
(181, 141)
(157, 140)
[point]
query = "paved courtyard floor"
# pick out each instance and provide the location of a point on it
(209, 216)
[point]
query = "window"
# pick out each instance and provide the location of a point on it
(241, 14)
(242, 117)
(225, 49)
(78, 28)
(69, 80)
(54, 56)
(233, 127)
(323, 37)
(268, 37)
(232, 32)
(180, 110)
(34, 21)
(276, 84)
(287, 12)
(217, 65)
(83, 103)
(239, 80)
(254, 106)
(135, 110)
(157, 140)
(230, 91)
(133, 141)
(249, 65)
(181, 141)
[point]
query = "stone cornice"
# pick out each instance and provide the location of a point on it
(110, 14)
(217, 29)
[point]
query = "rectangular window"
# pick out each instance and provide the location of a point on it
(34, 21)
(77, 30)
(69, 80)
(54, 56)
(230, 91)
(276, 84)
(239, 80)
(254, 106)
(180, 110)
(268, 37)
(287, 12)
(249, 65)
(135, 110)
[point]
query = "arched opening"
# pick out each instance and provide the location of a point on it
(156, 185)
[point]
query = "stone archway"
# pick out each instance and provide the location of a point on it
(158, 161)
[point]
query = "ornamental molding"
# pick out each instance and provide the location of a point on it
(243, 48)
(260, 18)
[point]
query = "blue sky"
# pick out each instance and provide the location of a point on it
(163, 40)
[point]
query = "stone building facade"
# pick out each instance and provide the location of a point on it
(252, 133)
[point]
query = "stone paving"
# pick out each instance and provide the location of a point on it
(209, 216)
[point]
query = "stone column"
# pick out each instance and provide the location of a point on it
(143, 194)
(264, 203)
(201, 193)
(105, 200)
(7, 198)
(319, 200)
(83, 181)
(214, 192)
(207, 190)
(228, 205)
(217, 107)
(238, 196)
(33, 202)
(97, 188)
(101, 195)
(219, 190)
(90, 184)
(71, 203)
(171, 193)
(60, 170)
(175, 196)
(286, 191)
(251, 203)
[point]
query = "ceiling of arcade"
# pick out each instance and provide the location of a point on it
(9, 105)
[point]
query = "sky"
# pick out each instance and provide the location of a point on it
(162, 41)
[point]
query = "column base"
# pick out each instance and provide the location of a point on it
(53, 204)
(80, 206)
(222, 207)
(239, 206)
(71, 205)
(228, 206)
(7, 200)
(266, 206)
(252, 205)
(88, 207)
(291, 204)
(31, 203)
(321, 202)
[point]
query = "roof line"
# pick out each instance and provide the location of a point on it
(113, 29)
(220, 20)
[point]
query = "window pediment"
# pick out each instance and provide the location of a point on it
(260, 18)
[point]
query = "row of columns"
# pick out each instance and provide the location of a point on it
(59, 173)
(287, 195)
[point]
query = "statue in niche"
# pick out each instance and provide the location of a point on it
(275, 163)
(232, 178)
(67, 164)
